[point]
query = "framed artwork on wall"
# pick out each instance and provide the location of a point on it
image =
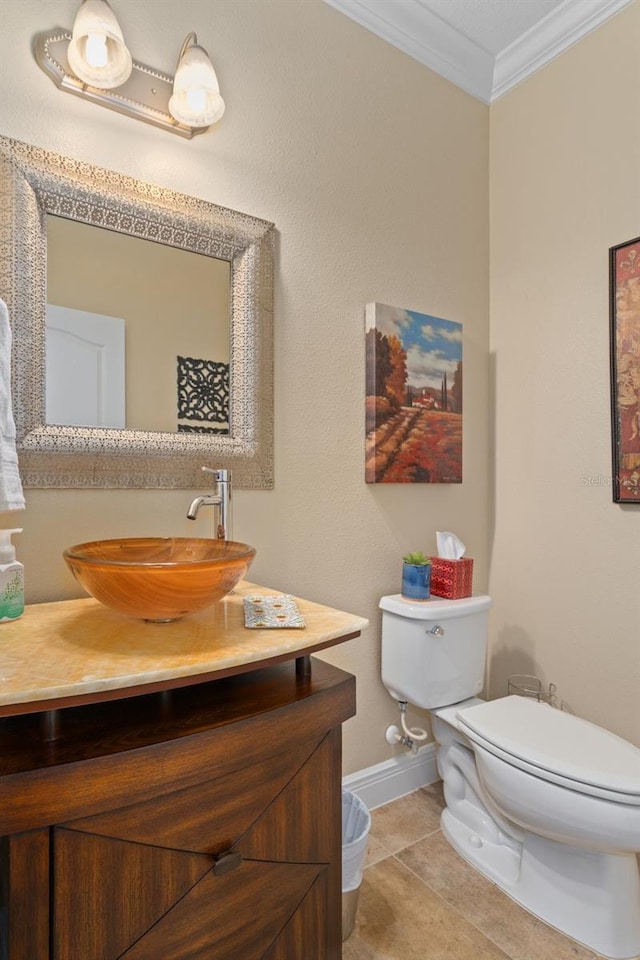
(624, 272)
(413, 397)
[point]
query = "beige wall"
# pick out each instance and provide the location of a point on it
(565, 564)
(375, 172)
(174, 303)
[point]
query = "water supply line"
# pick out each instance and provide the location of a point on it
(410, 737)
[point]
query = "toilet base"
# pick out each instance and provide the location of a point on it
(592, 897)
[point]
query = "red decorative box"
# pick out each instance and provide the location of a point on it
(452, 579)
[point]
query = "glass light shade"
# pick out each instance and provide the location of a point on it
(97, 52)
(196, 100)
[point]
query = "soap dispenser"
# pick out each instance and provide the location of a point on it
(11, 579)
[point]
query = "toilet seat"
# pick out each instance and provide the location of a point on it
(555, 746)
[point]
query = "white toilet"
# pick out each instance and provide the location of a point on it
(545, 804)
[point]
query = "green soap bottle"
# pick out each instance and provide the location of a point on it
(11, 579)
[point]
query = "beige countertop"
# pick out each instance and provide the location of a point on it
(76, 651)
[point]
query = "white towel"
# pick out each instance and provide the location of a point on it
(11, 497)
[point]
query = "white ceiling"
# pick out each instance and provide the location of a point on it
(485, 47)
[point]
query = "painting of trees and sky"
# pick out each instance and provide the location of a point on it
(414, 397)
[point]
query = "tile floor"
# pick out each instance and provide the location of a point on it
(420, 901)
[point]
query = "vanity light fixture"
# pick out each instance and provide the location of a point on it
(93, 62)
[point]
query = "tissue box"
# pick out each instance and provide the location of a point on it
(452, 579)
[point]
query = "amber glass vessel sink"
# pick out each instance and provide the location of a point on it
(159, 579)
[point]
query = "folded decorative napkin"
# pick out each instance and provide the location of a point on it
(11, 496)
(263, 612)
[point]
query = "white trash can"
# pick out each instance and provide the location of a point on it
(356, 823)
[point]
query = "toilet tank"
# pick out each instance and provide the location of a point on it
(433, 652)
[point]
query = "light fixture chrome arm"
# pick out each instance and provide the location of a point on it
(188, 40)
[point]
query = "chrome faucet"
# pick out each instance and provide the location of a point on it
(221, 499)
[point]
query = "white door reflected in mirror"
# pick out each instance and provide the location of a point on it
(85, 369)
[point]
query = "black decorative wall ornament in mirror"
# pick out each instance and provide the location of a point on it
(203, 396)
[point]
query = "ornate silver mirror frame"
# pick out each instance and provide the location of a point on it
(34, 183)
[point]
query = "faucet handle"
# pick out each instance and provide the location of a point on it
(222, 476)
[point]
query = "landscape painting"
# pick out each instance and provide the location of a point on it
(414, 397)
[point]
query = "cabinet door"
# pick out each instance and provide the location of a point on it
(24, 896)
(156, 879)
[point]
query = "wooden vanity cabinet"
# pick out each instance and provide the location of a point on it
(200, 824)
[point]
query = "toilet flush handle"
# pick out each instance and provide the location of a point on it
(436, 631)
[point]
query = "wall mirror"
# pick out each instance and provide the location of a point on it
(196, 382)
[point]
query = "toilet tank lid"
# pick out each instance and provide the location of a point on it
(437, 608)
(556, 741)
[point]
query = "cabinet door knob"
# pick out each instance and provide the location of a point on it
(227, 862)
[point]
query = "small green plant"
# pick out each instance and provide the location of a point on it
(417, 559)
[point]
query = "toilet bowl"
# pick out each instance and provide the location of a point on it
(545, 804)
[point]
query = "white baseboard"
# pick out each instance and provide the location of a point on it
(394, 778)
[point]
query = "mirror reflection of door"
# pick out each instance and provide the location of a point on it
(84, 368)
(174, 304)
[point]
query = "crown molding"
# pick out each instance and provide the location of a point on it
(555, 33)
(421, 34)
